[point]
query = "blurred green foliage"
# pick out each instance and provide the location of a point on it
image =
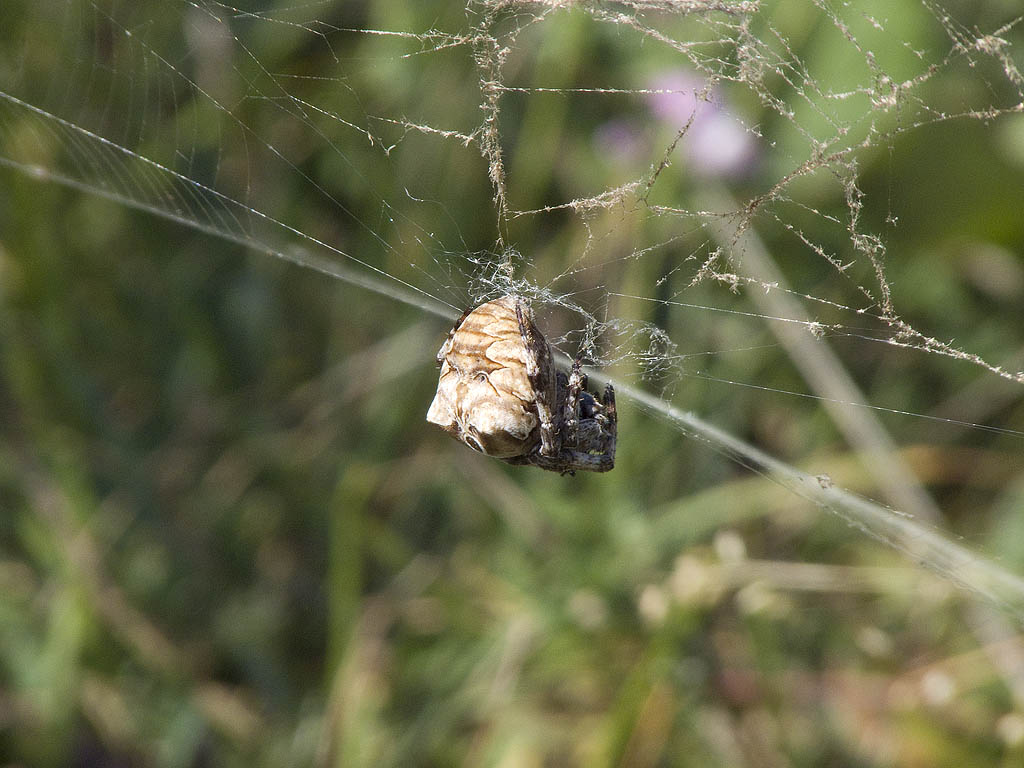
(227, 535)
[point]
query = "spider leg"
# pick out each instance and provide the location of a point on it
(542, 378)
(571, 419)
(610, 418)
(569, 462)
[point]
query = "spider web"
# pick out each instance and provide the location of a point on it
(684, 189)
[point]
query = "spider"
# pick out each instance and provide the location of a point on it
(500, 394)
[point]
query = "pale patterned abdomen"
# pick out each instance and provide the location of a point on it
(484, 395)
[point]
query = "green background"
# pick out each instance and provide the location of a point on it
(227, 535)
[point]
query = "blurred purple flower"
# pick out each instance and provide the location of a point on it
(620, 140)
(716, 144)
(673, 96)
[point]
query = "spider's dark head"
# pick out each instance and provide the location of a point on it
(588, 405)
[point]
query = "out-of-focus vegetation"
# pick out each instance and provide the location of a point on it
(228, 537)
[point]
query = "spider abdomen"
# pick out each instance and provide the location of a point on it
(484, 395)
